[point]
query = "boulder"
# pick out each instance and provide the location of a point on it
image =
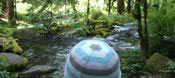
(12, 46)
(156, 62)
(37, 71)
(15, 61)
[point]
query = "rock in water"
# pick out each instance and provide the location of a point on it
(15, 61)
(92, 59)
(156, 62)
(10, 45)
(37, 71)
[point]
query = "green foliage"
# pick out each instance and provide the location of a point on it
(132, 63)
(80, 29)
(162, 29)
(4, 73)
(170, 69)
(6, 31)
(164, 47)
(162, 23)
(96, 14)
(113, 18)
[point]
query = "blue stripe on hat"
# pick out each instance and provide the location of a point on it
(104, 60)
(72, 72)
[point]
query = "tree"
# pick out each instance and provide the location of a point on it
(143, 32)
(120, 6)
(109, 6)
(88, 8)
(129, 6)
(88, 11)
(4, 6)
(10, 11)
(146, 36)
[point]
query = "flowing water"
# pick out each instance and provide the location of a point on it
(52, 50)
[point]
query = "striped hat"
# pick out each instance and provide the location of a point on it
(92, 59)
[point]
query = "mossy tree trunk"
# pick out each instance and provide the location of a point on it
(120, 6)
(10, 12)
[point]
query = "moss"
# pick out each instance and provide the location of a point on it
(26, 61)
(13, 46)
(102, 31)
(16, 48)
(4, 61)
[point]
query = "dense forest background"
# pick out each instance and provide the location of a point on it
(154, 20)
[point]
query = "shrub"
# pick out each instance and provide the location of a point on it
(133, 64)
(3, 71)
(162, 29)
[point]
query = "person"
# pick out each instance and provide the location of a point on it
(92, 59)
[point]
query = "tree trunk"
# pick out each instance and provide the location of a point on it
(146, 29)
(129, 6)
(109, 6)
(120, 6)
(88, 8)
(88, 11)
(139, 17)
(4, 6)
(11, 12)
(74, 7)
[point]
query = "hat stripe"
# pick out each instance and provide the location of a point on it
(94, 71)
(72, 72)
(82, 54)
(82, 62)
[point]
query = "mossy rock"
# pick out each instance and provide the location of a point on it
(14, 61)
(102, 31)
(156, 62)
(12, 46)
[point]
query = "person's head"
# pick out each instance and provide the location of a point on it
(92, 59)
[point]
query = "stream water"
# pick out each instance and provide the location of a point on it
(52, 50)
